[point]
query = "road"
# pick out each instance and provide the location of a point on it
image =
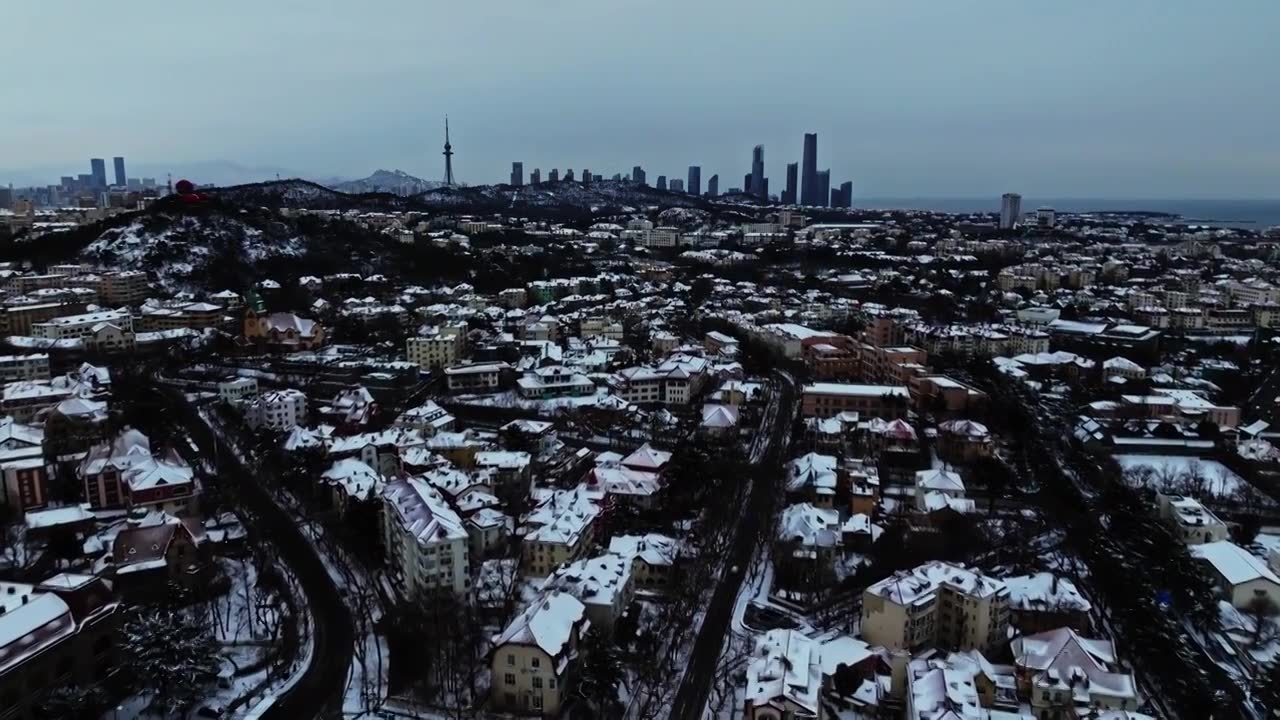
(320, 690)
(767, 452)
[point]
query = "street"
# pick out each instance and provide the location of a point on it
(768, 453)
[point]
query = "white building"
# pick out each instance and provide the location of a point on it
(234, 390)
(484, 377)
(425, 539)
(82, 326)
(279, 410)
(24, 367)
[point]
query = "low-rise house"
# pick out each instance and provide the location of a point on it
(941, 491)
(963, 441)
(476, 378)
(351, 481)
(429, 418)
(809, 539)
(1063, 674)
(603, 584)
(1044, 601)
(1244, 578)
(62, 632)
(719, 420)
(512, 472)
(653, 558)
(282, 331)
(813, 477)
(1194, 522)
(535, 660)
(146, 559)
(125, 473)
(350, 408)
(791, 675)
(554, 382)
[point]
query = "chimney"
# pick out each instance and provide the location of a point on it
(1054, 588)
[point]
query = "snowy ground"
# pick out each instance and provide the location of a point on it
(1182, 474)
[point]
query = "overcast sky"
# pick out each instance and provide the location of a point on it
(1087, 98)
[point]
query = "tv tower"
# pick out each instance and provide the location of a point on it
(448, 155)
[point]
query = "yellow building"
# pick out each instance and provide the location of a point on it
(936, 605)
(535, 660)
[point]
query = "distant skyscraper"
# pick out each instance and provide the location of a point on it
(746, 183)
(148, 182)
(713, 186)
(809, 173)
(695, 180)
(517, 174)
(121, 179)
(448, 154)
(637, 175)
(662, 182)
(757, 186)
(554, 175)
(586, 176)
(67, 182)
(6, 197)
(764, 188)
(1010, 210)
(846, 194)
(568, 175)
(596, 177)
(535, 177)
(789, 194)
(135, 184)
(677, 185)
(617, 177)
(99, 172)
(85, 182)
(823, 188)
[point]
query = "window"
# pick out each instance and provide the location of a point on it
(509, 678)
(537, 702)
(536, 662)
(537, 683)
(511, 659)
(551, 683)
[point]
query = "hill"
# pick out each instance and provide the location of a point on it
(547, 198)
(393, 182)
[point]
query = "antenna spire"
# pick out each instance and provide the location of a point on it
(448, 155)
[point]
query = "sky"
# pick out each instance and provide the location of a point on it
(910, 98)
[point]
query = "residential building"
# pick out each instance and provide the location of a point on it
(278, 410)
(1010, 210)
(1194, 522)
(1045, 601)
(603, 584)
(476, 378)
(425, 539)
(233, 390)
(126, 473)
(24, 367)
(1065, 675)
(283, 331)
(535, 660)
(829, 399)
(809, 179)
(60, 633)
(939, 605)
(559, 529)
(653, 558)
(1242, 576)
(74, 327)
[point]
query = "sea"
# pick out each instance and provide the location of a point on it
(1257, 214)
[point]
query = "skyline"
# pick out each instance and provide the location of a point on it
(1143, 99)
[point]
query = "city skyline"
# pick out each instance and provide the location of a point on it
(1085, 100)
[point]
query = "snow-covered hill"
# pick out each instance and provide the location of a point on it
(217, 248)
(395, 182)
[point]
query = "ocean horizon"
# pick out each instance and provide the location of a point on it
(1256, 214)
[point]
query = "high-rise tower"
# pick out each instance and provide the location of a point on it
(757, 186)
(789, 193)
(809, 171)
(448, 154)
(694, 185)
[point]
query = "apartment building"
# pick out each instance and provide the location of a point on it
(561, 528)
(24, 367)
(437, 347)
(675, 381)
(425, 539)
(18, 319)
(127, 287)
(936, 605)
(76, 327)
(279, 410)
(186, 315)
(825, 400)
(476, 378)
